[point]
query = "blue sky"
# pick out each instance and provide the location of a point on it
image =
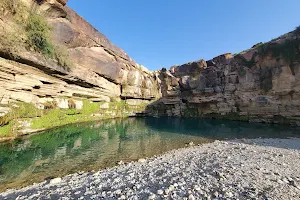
(161, 33)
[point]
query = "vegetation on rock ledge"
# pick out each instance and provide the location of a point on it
(36, 35)
(52, 116)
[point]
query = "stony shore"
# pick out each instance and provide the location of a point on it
(247, 169)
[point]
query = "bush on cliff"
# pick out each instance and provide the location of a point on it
(34, 34)
(38, 32)
(288, 50)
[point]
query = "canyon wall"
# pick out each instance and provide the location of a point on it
(70, 66)
(100, 71)
(261, 84)
(56, 69)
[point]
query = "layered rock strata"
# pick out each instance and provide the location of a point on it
(260, 84)
(100, 72)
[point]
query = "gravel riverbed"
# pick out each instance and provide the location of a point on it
(240, 169)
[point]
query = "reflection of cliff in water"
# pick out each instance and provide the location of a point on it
(84, 146)
(102, 144)
(220, 129)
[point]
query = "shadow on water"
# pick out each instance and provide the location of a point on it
(98, 145)
(221, 129)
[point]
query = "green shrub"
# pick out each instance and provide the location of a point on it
(242, 72)
(38, 31)
(62, 56)
(242, 61)
(20, 110)
(190, 112)
(6, 131)
(289, 50)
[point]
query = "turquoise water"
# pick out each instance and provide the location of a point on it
(98, 145)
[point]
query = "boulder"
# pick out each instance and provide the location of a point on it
(62, 103)
(192, 68)
(78, 104)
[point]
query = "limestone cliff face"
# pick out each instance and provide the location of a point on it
(101, 80)
(100, 72)
(259, 84)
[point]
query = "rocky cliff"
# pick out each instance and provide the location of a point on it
(56, 68)
(66, 65)
(261, 84)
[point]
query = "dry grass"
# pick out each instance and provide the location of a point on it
(62, 57)
(13, 8)
(32, 35)
(50, 105)
(71, 104)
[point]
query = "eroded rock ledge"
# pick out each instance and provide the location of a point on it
(102, 82)
(261, 84)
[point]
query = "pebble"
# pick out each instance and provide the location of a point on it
(189, 173)
(167, 191)
(142, 160)
(121, 162)
(191, 197)
(118, 192)
(216, 194)
(55, 181)
(171, 187)
(197, 188)
(152, 196)
(160, 192)
(191, 144)
(228, 194)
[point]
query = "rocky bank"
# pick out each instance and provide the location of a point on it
(259, 169)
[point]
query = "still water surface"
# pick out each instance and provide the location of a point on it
(97, 145)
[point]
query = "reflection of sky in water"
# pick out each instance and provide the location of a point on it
(97, 145)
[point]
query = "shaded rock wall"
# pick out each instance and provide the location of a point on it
(259, 84)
